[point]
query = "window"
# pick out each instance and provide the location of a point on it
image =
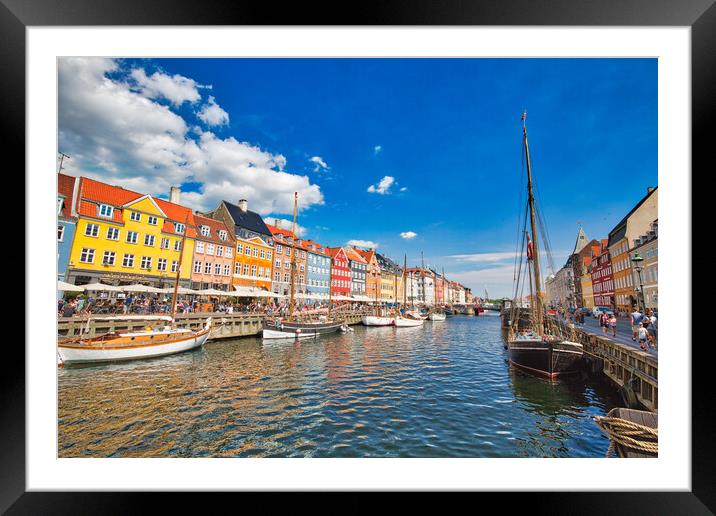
(149, 240)
(286, 278)
(253, 270)
(288, 251)
(87, 255)
(177, 245)
(60, 233)
(261, 272)
(146, 262)
(128, 260)
(279, 249)
(248, 250)
(60, 202)
(112, 234)
(175, 265)
(199, 246)
(92, 230)
(108, 258)
(229, 252)
(179, 228)
(197, 267)
(105, 210)
(256, 252)
(219, 250)
(246, 269)
(209, 248)
(205, 230)
(222, 234)
(133, 215)
(227, 269)
(162, 264)
(217, 268)
(278, 263)
(277, 276)
(152, 220)
(207, 268)
(239, 248)
(268, 255)
(132, 237)
(263, 254)
(165, 243)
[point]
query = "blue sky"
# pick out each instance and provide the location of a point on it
(447, 131)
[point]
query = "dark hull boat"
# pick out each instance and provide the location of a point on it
(550, 359)
(296, 330)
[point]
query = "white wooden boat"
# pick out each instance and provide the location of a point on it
(132, 345)
(377, 320)
(408, 321)
(437, 316)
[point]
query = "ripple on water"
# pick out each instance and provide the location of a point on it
(439, 391)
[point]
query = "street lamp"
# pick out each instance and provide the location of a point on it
(636, 262)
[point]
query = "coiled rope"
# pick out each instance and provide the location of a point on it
(628, 433)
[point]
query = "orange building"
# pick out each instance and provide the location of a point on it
(373, 277)
(213, 263)
(285, 244)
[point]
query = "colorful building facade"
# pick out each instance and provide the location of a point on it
(213, 263)
(359, 272)
(124, 237)
(602, 277)
(318, 270)
(66, 221)
(253, 245)
(647, 247)
(286, 243)
(340, 272)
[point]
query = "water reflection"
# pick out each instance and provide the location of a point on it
(440, 390)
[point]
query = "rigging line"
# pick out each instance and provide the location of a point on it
(519, 201)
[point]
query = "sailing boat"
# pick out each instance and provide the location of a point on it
(378, 318)
(409, 318)
(151, 342)
(292, 326)
(534, 349)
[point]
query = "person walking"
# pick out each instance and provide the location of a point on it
(604, 323)
(613, 324)
(643, 337)
(636, 317)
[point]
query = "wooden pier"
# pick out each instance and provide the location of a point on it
(631, 369)
(225, 326)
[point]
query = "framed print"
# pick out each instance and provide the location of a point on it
(415, 249)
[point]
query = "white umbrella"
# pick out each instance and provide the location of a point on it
(101, 287)
(137, 287)
(211, 292)
(180, 290)
(68, 287)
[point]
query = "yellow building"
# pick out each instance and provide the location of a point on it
(124, 237)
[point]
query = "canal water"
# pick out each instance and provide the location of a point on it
(441, 390)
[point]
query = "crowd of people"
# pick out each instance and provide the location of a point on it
(152, 305)
(644, 328)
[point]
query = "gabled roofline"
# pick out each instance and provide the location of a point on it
(146, 196)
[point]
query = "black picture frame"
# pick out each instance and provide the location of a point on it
(16, 15)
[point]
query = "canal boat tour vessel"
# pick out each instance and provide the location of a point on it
(537, 348)
(295, 326)
(162, 339)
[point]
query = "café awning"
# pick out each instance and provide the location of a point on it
(68, 287)
(101, 287)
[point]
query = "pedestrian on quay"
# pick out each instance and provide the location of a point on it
(636, 317)
(643, 337)
(68, 310)
(613, 324)
(604, 323)
(60, 304)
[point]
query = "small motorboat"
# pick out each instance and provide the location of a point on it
(408, 320)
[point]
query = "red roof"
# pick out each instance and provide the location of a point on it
(214, 227)
(367, 255)
(333, 251)
(66, 187)
(98, 192)
(354, 255)
(283, 232)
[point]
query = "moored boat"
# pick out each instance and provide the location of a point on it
(377, 320)
(530, 346)
(408, 321)
(437, 316)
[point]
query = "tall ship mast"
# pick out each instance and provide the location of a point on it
(534, 348)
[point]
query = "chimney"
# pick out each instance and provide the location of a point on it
(277, 223)
(174, 192)
(243, 205)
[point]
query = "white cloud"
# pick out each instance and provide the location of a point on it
(383, 187)
(122, 137)
(367, 244)
(212, 114)
(377, 149)
(320, 164)
(407, 235)
(175, 88)
(403, 189)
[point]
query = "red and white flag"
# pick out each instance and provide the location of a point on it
(530, 249)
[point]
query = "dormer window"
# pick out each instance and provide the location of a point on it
(179, 228)
(279, 236)
(222, 234)
(205, 230)
(105, 210)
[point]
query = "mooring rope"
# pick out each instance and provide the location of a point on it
(628, 433)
